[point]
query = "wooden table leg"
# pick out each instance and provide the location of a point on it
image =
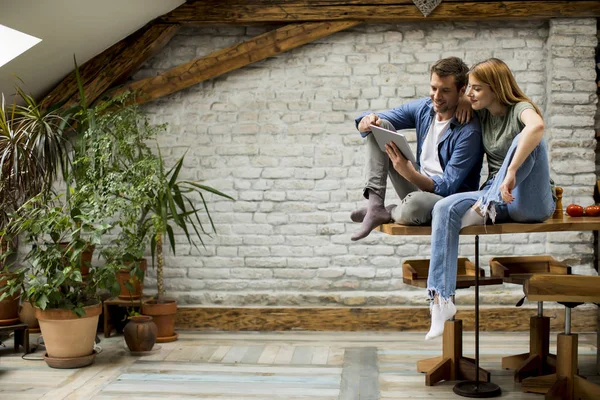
(478, 387)
(451, 366)
(538, 361)
(107, 324)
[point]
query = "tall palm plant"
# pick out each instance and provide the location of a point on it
(172, 205)
(33, 149)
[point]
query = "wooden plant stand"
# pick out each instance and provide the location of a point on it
(110, 304)
(21, 335)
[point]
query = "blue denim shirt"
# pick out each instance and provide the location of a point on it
(460, 149)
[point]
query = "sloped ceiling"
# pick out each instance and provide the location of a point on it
(82, 28)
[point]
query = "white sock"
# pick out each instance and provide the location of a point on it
(471, 217)
(440, 313)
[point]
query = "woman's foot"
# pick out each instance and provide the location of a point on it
(440, 313)
(477, 208)
(472, 217)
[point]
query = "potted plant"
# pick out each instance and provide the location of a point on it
(62, 228)
(32, 150)
(140, 332)
(152, 203)
(127, 254)
(171, 206)
(67, 304)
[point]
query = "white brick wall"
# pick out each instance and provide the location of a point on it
(279, 137)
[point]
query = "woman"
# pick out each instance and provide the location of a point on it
(518, 187)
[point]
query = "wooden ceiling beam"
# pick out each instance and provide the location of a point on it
(262, 12)
(231, 58)
(113, 66)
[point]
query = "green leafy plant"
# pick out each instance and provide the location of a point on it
(54, 278)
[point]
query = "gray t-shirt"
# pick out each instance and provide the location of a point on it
(499, 132)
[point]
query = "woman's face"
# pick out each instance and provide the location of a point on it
(480, 94)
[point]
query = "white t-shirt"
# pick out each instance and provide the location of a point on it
(430, 159)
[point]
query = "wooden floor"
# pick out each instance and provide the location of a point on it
(278, 365)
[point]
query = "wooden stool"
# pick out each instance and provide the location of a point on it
(570, 291)
(451, 365)
(538, 361)
(109, 304)
(21, 335)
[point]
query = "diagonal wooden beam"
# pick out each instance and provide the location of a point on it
(231, 58)
(113, 65)
(267, 11)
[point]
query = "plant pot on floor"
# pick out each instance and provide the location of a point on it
(163, 315)
(124, 275)
(27, 316)
(9, 307)
(140, 333)
(85, 261)
(68, 336)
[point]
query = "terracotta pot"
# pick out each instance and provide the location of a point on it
(27, 316)
(9, 307)
(140, 333)
(163, 316)
(86, 257)
(67, 335)
(124, 275)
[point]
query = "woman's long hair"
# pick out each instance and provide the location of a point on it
(496, 74)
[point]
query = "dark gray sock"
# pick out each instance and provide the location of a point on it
(359, 215)
(375, 215)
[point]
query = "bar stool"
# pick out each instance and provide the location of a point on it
(538, 361)
(571, 291)
(451, 365)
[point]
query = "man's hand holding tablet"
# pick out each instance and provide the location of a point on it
(401, 147)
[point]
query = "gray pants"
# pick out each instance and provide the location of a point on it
(416, 205)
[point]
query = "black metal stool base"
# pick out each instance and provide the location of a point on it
(477, 389)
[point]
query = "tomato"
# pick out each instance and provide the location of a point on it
(592, 211)
(574, 210)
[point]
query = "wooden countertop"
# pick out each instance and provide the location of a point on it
(563, 224)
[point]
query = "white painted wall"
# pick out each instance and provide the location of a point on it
(279, 137)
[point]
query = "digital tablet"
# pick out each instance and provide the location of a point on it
(384, 136)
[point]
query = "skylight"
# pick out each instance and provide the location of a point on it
(14, 43)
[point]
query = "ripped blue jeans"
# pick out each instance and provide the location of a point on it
(533, 202)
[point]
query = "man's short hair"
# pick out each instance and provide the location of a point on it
(452, 66)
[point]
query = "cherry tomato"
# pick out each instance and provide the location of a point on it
(592, 211)
(575, 210)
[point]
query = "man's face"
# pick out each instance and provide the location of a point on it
(443, 93)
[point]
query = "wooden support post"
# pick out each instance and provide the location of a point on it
(263, 46)
(565, 384)
(451, 366)
(252, 12)
(566, 367)
(538, 361)
(112, 66)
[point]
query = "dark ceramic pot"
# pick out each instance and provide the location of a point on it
(140, 333)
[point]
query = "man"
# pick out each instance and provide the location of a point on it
(449, 153)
